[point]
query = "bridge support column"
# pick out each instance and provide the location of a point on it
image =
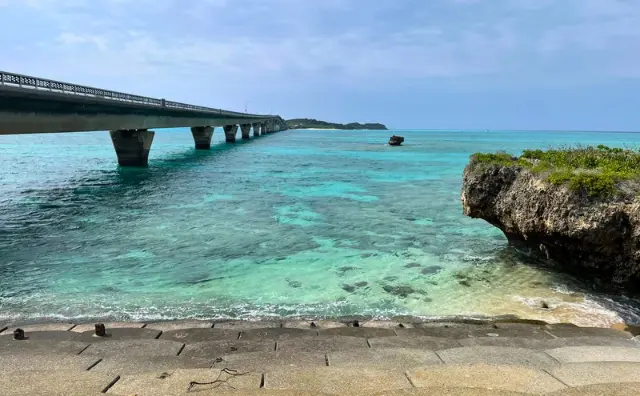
(265, 128)
(256, 130)
(132, 146)
(230, 133)
(246, 131)
(202, 137)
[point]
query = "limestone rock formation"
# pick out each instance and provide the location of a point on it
(396, 140)
(595, 238)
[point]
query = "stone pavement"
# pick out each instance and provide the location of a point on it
(299, 358)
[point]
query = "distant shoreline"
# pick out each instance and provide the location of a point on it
(313, 124)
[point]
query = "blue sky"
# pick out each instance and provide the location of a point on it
(485, 64)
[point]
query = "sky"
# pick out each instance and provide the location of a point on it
(428, 64)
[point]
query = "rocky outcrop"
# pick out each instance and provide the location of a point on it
(594, 238)
(396, 140)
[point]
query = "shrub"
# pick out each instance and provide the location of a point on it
(598, 171)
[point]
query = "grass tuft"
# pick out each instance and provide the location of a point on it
(598, 171)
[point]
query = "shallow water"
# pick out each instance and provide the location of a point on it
(299, 223)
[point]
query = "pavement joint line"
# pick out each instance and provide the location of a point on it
(406, 374)
(275, 347)
(368, 343)
(553, 358)
(326, 359)
(181, 349)
(239, 335)
(552, 335)
(3, 329)
(110, 384)
(439, 357)
(94, 364)
(72, 327)
(262, 381)
(158, 336)
(556, 378)
(144, 326)
(84, 349)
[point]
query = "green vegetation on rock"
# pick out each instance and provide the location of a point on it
(309, 123)
(599, 171)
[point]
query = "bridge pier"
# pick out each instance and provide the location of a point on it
(246, 131)
(230, 133)
(256, 130)
(132, 146)
(202, 137)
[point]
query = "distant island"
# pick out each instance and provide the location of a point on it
(309, 123)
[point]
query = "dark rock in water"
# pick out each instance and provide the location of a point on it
(464, 283)
(367, 255)
(434, 269)
(413, 265)
(396, 140)
(594, 238)
(361, 284)
(400, 290)
(348, 288)
(294, 284)
(390, 278)
(342, 270)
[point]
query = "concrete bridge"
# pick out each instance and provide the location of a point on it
(35, 105)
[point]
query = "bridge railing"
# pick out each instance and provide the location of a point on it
(36, 83)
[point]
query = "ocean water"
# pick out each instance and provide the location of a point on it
(294, 224)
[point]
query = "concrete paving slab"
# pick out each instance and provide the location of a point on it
(177, 383)
(449, 392)
(41, 336)
(276, 334)
(387, 324)
(43, 347)
(322, 344)
(81, 328)
(336, 381)
(499, 377)
(319, 324)
(450, 331)
(246, 325)
(180, 325)
(13, 363)
(498, 356)
(417, 342)
(216, 349)
(516, 330)
(364, 332)
(541, 344)
(263, 362)
(149, 365)
(118, 334)
(134, 348)
(396, 359)
(41, 327)
(595, 354)
(190, 336)
(581, 374)
(620, 389)
(561, 331)
(49, 383)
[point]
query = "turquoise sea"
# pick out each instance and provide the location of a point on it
(294, 224)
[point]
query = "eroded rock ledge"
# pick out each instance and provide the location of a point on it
(594, 238)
